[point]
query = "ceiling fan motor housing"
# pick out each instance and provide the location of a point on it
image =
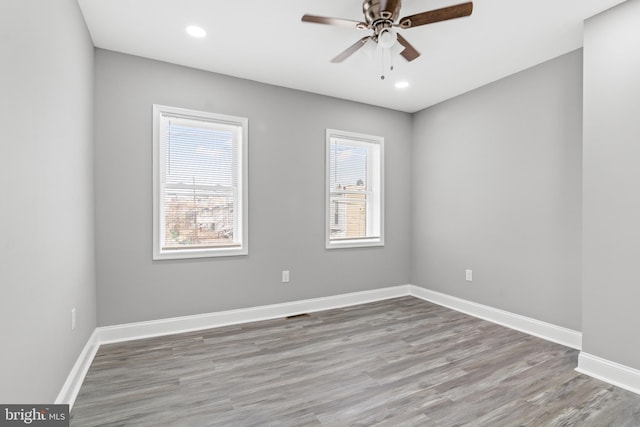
(372, 13)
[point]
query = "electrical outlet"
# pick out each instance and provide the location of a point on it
(73, 319)
(469, 275)
(285, 276)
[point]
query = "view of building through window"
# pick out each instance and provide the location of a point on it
(199, 187)
(353, 179)
(198, 220)
(349, 211)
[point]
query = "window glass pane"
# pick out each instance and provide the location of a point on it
(198, 219)
(199, 195)
(348, 166)
(354, 190)
(205, 156)
(348, 216)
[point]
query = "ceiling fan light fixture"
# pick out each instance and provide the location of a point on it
(195, 31)
(387, 38)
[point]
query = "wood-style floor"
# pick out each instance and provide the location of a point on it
(397, 362)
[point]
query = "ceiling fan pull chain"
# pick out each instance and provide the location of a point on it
(391, 59)
(387, 56)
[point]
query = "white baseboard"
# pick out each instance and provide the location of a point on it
(154, 328)
(176, 325)
(610, 372)
(547, 331)
(74, 381)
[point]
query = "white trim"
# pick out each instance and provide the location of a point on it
(176, 325)
(544, 330)
(610, 372)
(375, 189)
(155, 328)
(74, 381)
(240, 127)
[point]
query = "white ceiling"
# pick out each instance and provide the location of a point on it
(265, 41)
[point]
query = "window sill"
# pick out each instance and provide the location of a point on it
(198, 253)
(354, 243)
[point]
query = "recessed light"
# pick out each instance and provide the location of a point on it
(195, 31)
(402, 85)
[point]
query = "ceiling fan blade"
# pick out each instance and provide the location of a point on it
(409, 53)
(437, 15)
(387, 8)
(338, 22)
(351, 49)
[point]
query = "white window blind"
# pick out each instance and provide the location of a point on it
(199, 184)
(354, 190)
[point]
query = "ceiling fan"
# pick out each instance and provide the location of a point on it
(381, 16)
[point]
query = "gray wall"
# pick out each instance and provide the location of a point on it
(611, 234)
(286, 195)
(46, 231)
(496, 178)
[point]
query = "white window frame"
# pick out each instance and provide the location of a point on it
(240, 232)
(375, 189)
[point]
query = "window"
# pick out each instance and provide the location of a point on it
(199, 184)
(354, 190)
